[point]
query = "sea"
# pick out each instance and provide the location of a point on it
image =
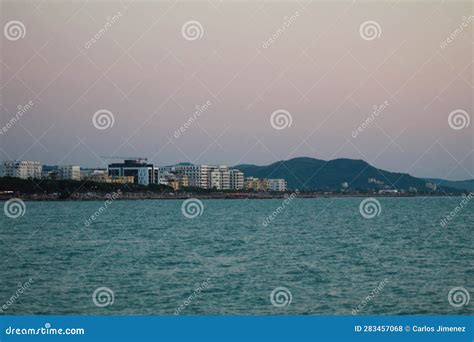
(293, 256)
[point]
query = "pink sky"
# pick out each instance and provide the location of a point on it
(320, 69)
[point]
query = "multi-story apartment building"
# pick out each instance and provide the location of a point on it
(21, 169)
(219, 178)
(277, 184)
(198, 174)
(142, 172)
(215, 180)
(156, 175)
(209, 176)
(71, 172)
(236, 179)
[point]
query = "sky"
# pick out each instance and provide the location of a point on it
(227, 82)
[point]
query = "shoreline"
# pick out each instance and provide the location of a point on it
(213, 196)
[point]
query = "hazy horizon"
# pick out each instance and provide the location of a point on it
(321, 66)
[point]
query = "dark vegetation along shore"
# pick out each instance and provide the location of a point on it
(34, 189)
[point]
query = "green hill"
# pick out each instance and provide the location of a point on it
(306, 173)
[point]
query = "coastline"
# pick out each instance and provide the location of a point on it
(209, 196)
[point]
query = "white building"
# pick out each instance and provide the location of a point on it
(72, 172)
(236, 179)
(276, 184)
(198, 174)
(21, 169)
(215, 180)
(219, 178)
(209, 176)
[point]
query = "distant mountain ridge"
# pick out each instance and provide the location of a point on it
(307, 173)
